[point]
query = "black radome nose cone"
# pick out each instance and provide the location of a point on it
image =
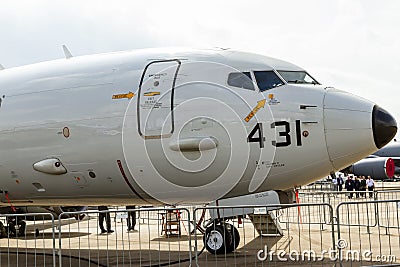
(384, 126)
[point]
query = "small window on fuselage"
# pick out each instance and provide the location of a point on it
(267, 80)
(241, 80)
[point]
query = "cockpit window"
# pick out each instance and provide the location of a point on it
(297, 77)
(241, 80)
(267, 80)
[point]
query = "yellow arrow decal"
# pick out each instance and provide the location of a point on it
(120, 96)
(151, 93)
(260, 104)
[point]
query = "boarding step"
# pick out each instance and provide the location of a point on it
(266, 224)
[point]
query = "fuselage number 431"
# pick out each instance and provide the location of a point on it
(283, 132)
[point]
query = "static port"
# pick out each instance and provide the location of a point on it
(92, 174)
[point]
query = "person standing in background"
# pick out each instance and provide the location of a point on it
(335, 183)
(357, 186)
(363, 187)
(371, 186)
(104, 216)
(349, 185)
(131, 219)
(340, 182)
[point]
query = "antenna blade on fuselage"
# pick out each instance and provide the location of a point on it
(67, 53)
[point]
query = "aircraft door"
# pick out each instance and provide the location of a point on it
(156, 99)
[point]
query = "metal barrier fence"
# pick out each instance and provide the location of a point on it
(336, 197)
(355, 232)
(319, 186)
(329, 186)
(369, 242)
(153, 242)
(21, 243)
(260, 238)
(387, 194)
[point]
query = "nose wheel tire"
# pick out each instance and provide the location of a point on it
(217, 239)
(220, 239)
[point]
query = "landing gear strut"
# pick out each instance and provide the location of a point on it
(221, 238)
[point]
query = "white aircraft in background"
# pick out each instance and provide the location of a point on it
(175, 126)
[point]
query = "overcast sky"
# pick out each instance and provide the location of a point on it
(353, 45)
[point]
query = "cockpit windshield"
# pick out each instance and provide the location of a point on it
(267, 80)
(300, 77)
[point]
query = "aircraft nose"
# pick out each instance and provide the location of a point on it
(384, 126)
(354, 127)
